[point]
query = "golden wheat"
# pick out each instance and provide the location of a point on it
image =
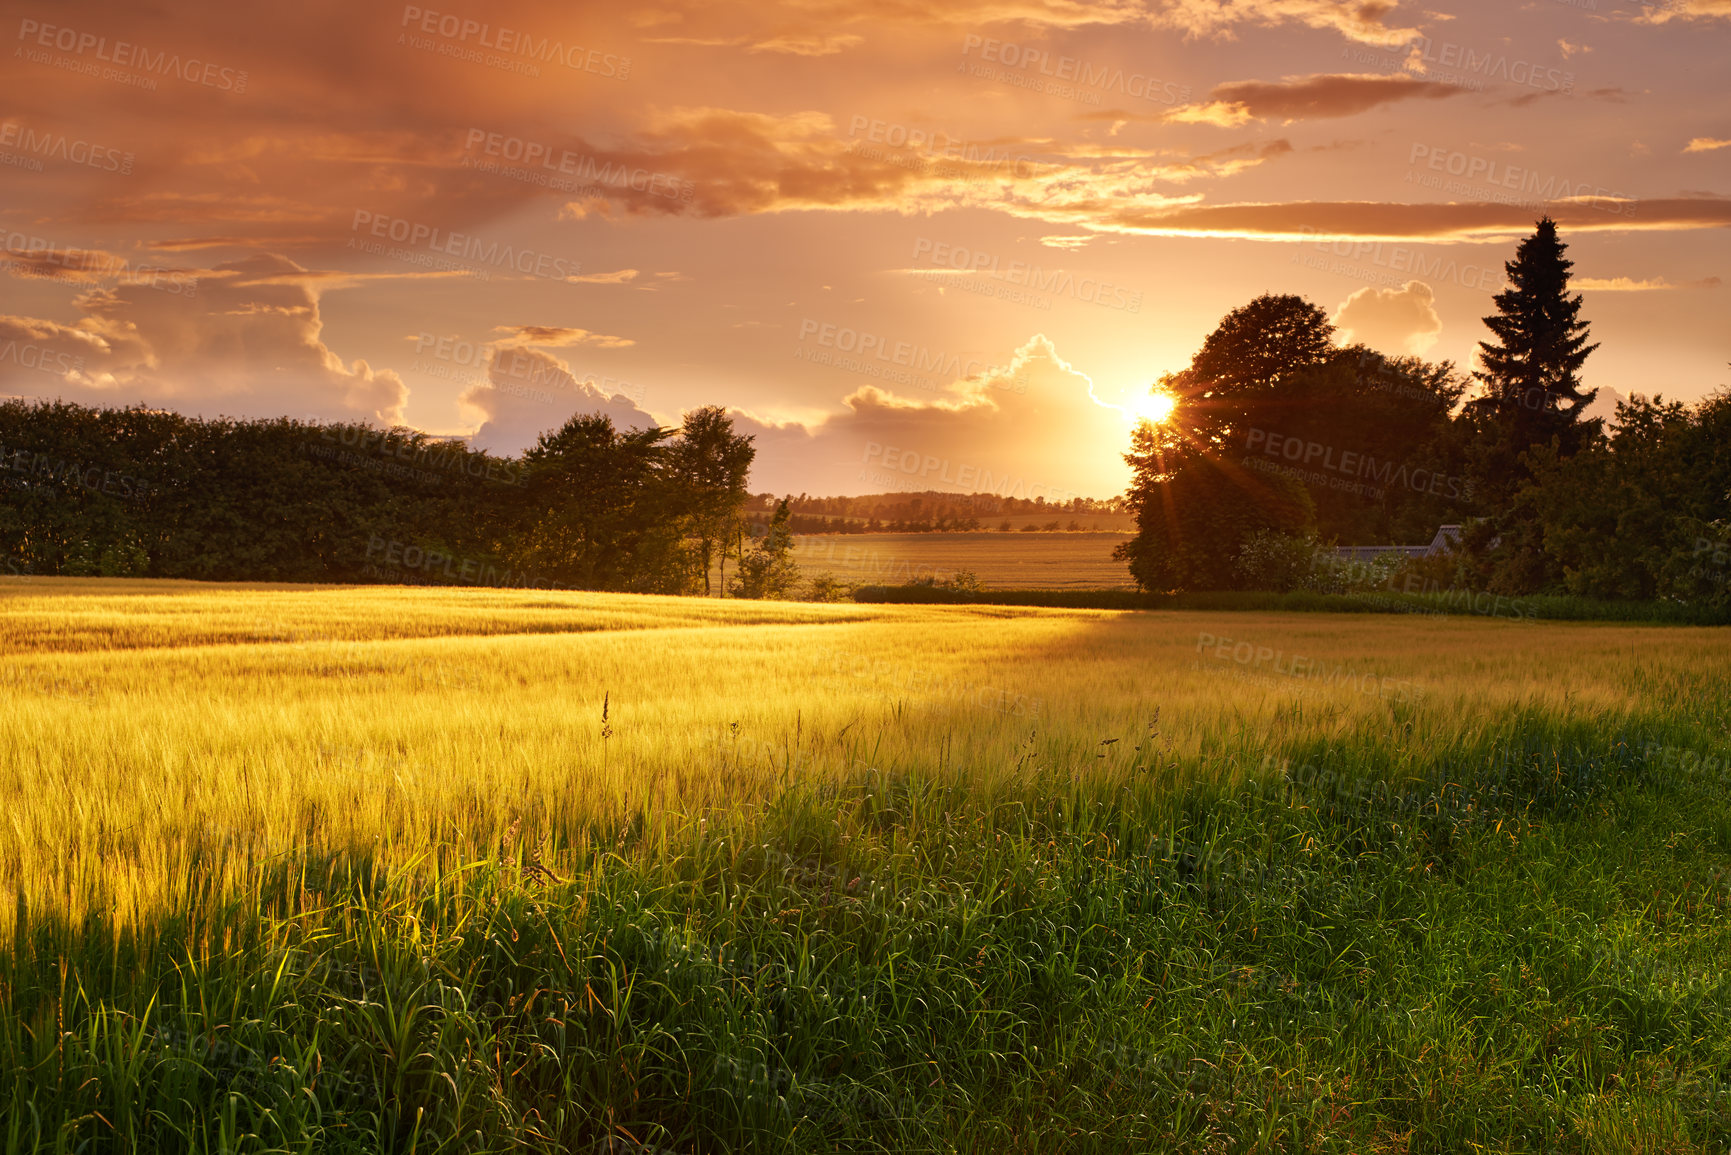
(144, 725)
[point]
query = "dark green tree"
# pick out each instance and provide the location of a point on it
(1371, 439)
(1532, 401)
(767, 568)
(608, 509)
(711, 462)
(1644, 512)
(1531, 370)
(1195, 510)
(1196, 502)
(1231, 381)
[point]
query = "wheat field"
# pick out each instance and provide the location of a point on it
(141, 726)
(167, 750)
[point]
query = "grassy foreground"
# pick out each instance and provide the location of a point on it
(372, 869)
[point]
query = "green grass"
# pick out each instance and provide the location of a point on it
(1165, 910)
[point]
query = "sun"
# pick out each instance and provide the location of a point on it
(1155, 407)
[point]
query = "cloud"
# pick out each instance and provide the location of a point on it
(1318, 221)
(1358, 20)
(1706, 144)
(1620, 284)
(790, 43)
(708, 162)
(616, 277)
(1035, 13)
(1604, 406)
(1630, 285)
(742, 164)
(1029, 428)
(1221, 163)
(1684, 10)
(1391, 321)
(242, 338)
(1218, 113)
(817, 44)
(529, 392)
(552, 335)
(1317, 97)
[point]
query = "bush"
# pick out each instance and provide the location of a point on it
(1271, 560)
(964, 579)
(828, 588)
(1332, 574)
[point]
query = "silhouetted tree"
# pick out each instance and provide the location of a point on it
(1195, 510)
(1531, 370)
(1195, 504)
(1231, 379)
(1532, 400)
(1643, 513)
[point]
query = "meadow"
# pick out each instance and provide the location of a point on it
(435, 870)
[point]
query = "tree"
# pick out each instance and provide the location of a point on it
(1232, 378)
(1531, 371)
(607, 509)
(767, 569)
(1195, 504)
(1195, 511)
(1641, 514)
(1530, 409)
(711, 463)
(1381, 458)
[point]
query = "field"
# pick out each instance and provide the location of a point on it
(310, 869)
(1000, 560)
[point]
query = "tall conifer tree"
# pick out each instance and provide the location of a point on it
(1531, 371)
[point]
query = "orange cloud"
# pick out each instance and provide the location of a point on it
(1012, 430)
(1009, 429)
(529, 392)
(1309, 98)
(1631, 285)
(242, 337)
(616, 277)
(1380, 221)
(1394, 321)
(555, 336)
(1684, 10)
(1359, 20)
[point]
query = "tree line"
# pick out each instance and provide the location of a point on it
(1283, 445)
(142, 492)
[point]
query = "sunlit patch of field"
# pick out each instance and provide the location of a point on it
(337, 717)
(162, 747)
(55, 615)
(1039, 560)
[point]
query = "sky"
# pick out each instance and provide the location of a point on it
(909, 245)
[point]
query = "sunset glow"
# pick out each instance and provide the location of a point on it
(1020, 576)
(1155, 407)
(933, 228)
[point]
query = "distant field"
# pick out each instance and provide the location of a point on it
(371, 869)
(999, 560)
